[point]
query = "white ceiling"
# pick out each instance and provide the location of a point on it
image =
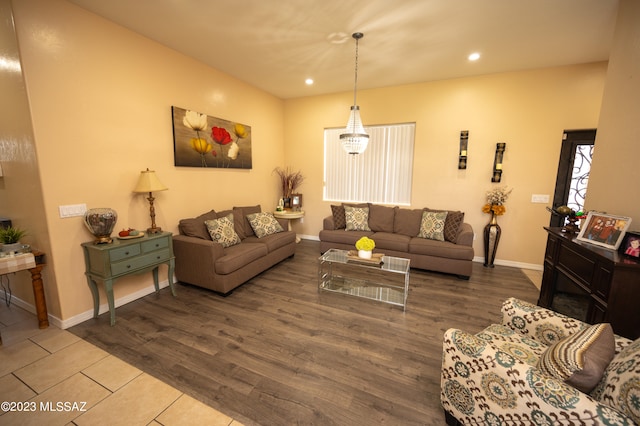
(276, 44)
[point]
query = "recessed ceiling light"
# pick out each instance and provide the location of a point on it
(474, 56)
(308, 81)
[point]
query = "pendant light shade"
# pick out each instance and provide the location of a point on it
(355, 139)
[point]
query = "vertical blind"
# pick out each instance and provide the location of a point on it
(382, 174)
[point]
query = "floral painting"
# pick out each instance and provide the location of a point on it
(203, 141)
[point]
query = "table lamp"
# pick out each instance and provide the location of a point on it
(149, 182)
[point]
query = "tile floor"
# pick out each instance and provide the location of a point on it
(55, 378)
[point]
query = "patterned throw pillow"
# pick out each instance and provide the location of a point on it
(580, 359)
(356, 218)
(221, 231)
(620, 385)
(264, 224)
(452, 224)
(338, 217)
(432, 225)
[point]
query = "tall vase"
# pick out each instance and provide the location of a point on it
(491, 239)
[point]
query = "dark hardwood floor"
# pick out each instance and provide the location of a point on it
(277, 352)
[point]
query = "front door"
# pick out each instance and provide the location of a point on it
(573, 171)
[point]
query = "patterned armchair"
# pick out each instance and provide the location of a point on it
(494, 378)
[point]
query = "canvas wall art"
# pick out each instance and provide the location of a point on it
(209, 142)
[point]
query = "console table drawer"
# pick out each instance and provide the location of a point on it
(156, 244)
(140, 262)
(124, 252)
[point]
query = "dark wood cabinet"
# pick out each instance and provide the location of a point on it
(591, 283)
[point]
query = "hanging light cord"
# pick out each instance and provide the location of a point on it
(357, 36)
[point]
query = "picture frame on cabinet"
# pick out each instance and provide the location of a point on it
(630, 246)
(604, 230)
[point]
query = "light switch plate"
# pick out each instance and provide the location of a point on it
(540, 198)
(72, 210)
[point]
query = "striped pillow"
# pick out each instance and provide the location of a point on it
(580, 359)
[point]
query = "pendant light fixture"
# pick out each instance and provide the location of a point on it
(354, 139)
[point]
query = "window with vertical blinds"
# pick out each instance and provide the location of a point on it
(382, 174)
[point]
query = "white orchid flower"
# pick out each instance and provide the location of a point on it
(194, 120)
(233, 151)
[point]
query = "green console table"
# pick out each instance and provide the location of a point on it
(108, 262)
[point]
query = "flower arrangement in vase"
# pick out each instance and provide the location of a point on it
(495, 201)
(365, 247)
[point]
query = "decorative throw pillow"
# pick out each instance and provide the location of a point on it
(452, 224)
(264, 224)
(221, 231)
(338, 217)
(432, 225)
(356, 218)
(580, 359)
(620, 385)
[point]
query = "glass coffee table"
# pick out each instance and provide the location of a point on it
(386, 282)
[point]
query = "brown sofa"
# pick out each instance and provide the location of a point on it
(202, 262)
(395, 231)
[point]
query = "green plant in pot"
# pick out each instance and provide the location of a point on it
(10, 239)
(365, 247)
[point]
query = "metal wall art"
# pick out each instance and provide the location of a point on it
(497, 162)
(464, 142)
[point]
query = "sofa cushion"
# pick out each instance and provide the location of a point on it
(245, 226)
(455, 219)
(381, 218)
(444, 249)
(407, 221)
(222, 231)
(432, 225)
(239, 256)
(338, 217)
(620, 386)
(515, 344)
(357, 218)
(340, 236)
(195, 227)
(273, 241)
(389, 241)
(580, 359)
(264, 224)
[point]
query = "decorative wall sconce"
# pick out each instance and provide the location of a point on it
(464, 141)
(497, 162)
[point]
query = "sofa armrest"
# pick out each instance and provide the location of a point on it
(541, 324)
(544, 325)
(327, 223)
(465, 235)
(194, 255)
(481, 384)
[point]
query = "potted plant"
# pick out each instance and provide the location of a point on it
(10, 238)
(365, 247)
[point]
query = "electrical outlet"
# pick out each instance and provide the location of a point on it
(540, 198)
(72, 210)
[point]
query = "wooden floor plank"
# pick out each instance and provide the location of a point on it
(276, 351)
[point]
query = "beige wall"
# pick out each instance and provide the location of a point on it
(20, 191)
(527, 110)
(101, 98)
(613, 184)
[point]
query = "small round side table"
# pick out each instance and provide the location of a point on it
(289, 215)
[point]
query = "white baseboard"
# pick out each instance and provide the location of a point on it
(84, 316)
(521, 265)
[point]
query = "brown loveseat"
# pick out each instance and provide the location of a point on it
(202, 262)
(397, 232)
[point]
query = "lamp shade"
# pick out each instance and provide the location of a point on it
(149, 182)
(355, 139)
